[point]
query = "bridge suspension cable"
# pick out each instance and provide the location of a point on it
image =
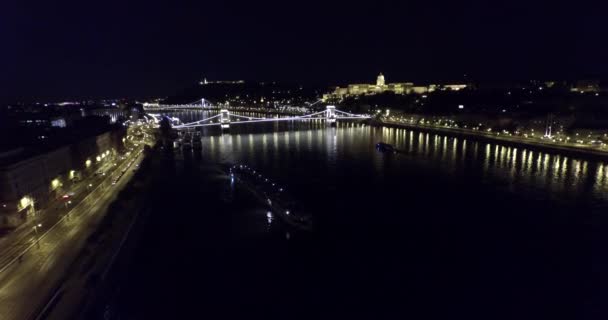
(199, 121)
(250, 118)
(312, 104)
(349, 114)
(313, 114)
(280, 119)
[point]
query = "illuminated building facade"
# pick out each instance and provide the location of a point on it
(28, 180)
(381, 86)
(583, 86)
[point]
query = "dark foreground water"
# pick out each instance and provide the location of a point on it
(449, 229)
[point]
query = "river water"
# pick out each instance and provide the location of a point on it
(448, 228)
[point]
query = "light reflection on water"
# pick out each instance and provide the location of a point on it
(554, 173)
(515, 169)
(472, 226)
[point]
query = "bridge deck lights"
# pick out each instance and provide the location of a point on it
(330, 115)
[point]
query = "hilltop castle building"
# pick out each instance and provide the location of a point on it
(340, 93)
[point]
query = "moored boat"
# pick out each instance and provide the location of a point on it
(273, 195)
(385, 147)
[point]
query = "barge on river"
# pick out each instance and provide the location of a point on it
(273, 195)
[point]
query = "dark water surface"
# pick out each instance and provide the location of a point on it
(450, 228)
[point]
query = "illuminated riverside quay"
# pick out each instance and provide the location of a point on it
(474, 227)
(551, 137)
(591, 143)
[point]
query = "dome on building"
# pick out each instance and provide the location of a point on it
(380, 80)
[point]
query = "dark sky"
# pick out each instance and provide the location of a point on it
(59, 49)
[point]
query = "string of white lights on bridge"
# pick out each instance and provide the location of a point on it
(331, 114)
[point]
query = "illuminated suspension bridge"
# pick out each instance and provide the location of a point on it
(225, 118)
(197, 105)
(202, 104)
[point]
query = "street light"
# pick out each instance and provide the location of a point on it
(55, 184)
(36, 228)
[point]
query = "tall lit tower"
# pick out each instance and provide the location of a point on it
(380, 80)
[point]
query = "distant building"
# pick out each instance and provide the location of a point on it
(586, 86)
(30, 179)
(58, 122)
(380, 80)
(48, 119)
(340, 93)
(206, 82)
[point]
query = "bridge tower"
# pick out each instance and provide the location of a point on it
(225, 119)
(330, 115)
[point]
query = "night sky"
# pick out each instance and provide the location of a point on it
(96, 49)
